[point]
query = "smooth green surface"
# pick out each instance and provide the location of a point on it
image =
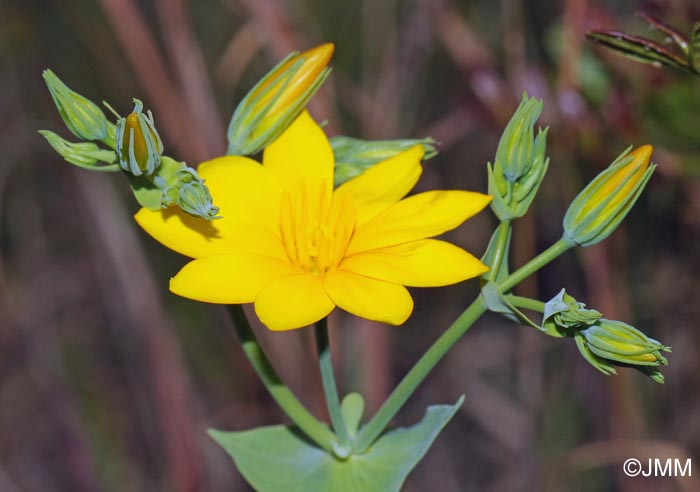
(280, 459)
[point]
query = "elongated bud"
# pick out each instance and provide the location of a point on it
(602, 205)
(82, 117)
(520, 164)
(139, 147)
(620, 342)
(271, 106)
(517, 149)
(354, 156)
(83, 154)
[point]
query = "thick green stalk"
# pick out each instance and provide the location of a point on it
(525, 303)
(330, 390)
(417, 374)
(309, 425)
(535, 264)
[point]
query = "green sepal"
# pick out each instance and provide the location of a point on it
(502, 269)
(602, 365)
(281, 459)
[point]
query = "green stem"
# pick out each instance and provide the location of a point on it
(442, 345)
(329, 388)
(501, 248)
(535, 264)
(314, 429)
(525, 303)
(417, 374)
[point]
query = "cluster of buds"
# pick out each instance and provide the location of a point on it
(277, 99)
(135, 148)
(354, 156)
(604, 203)
(520, 163)
(603, 343)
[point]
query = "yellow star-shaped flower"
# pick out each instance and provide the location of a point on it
(297, 248)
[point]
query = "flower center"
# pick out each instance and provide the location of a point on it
(316, 228)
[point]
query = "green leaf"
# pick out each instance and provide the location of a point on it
(280, 459)
(639, 49)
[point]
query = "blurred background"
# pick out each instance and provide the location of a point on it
(108, 382)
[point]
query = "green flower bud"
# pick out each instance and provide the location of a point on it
(354, 156)
(277, 99)
(620, 342)
(83, 154)
(563, 315)
(602, 205)
(521, 162)
(82, 117)
(518, 149)
(139, 147)
(192, 195)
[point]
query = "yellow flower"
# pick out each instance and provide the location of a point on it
(297, 248)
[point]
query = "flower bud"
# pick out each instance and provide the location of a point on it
(597, 211)
(518, 148)
(564, 315)
(139, 147)
(520, 164)
(276, 100)
(82, 154)
(619, 342)
(82, 117)
(192, 195)
(354, 156)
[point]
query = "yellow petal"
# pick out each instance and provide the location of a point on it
(424, 263)
(384, 184)
(369, 298)
(292, 302)
(243, 187)
(228, 279)
(418, 217)
(301, 158)
(198, 238)
(249, 198)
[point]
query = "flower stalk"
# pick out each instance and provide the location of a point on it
(341, 448)
(309, 425)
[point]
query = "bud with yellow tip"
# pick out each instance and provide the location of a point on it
(276, 100)
(139, 147)
(597, 211)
